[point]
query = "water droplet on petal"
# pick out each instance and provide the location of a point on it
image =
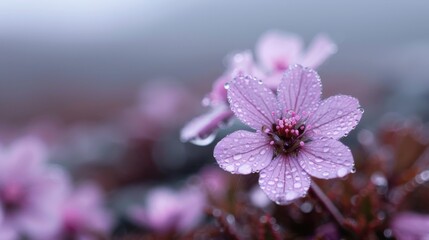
(291, 195)
(226, 86)
(326, 149)
(237, 157)
(230, 168)
(245, 169)
(342, 172)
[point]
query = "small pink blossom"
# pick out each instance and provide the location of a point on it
(168, 210)
(213, 181)
(275, 52)
(83, 215)
(161, 106)
(296, 133)
(31, 191)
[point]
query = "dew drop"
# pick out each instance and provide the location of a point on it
(326, 149)
(297, 185)
(230, 168)
(291, 195)
(342, 172)
(206, 101)
(237, 157)
(226, 86)
(245, 169)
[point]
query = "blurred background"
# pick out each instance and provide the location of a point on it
(108, 85)
(85, 60)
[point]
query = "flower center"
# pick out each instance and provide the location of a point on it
(287, 134)
(280, 65)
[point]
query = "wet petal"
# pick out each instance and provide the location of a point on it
(206, 124)
(218, 93)
(319, 50)
(277, 50)
(326, 158)
(243, 152)
(335, 117)
(284, 180)
(299, 90)
(252, 102)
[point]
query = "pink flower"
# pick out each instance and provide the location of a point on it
(213, 181)
(30, 191)
(83, 215)
(408, 226)
(161, 106)
(275, 52)
(296, 133)
(167, 210)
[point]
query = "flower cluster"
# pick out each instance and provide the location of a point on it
(37, 200)
(276, 51)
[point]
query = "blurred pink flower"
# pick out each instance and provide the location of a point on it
(83, 215)
(410, 226)
(296, 133)
(275, 52)
(167, 210)
(161, 105)
(30, 191)
(213, 181)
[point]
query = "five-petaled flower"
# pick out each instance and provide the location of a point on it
(296, 133)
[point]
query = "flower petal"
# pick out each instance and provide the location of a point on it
(284, 180)
(335, 117)
(243, 152)
(206, 124)
(252, 102)
(326, 158)
(277, 50)
(299, 90)
(319, 50)
(409, 225)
